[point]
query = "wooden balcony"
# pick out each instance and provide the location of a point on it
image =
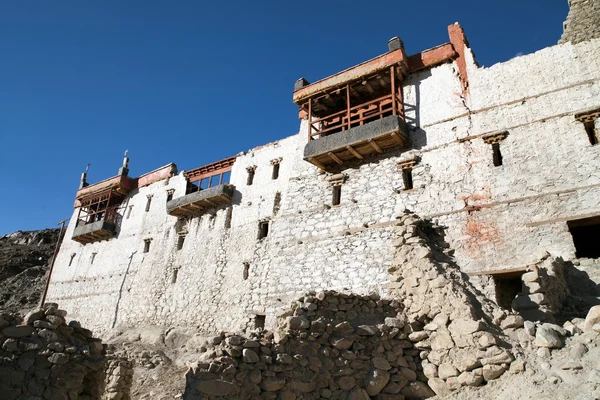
(88, 232)
(196, 203)
(375, 137)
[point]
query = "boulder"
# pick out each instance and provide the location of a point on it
(272, 384)
(375, 381)
(592, 318)
(547, 337)
(417, 390)
(298, 323)
(470, 379)
(491, 372)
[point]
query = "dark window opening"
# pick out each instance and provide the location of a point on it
(148, 203)
(407, 178)
(259, 321)
(169, 195)
(93, 258)
(263, 229)
(250, 177)
(275, 173)
(497, 154)
(147, 245)
(129, 211)
(228, 217)
(592, 132)
(180, 241)
(337, 195)
(506, 288)
(246, 270)
(585, 233)
(276, 203)
(71, 260)
(174, 276)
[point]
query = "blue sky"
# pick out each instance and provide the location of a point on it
(191, 82)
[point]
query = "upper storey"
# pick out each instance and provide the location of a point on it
(356, 112)
(359, 112)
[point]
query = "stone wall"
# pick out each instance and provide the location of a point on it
(42, 357)
(496, 218)
(583, 21)
(434, 334)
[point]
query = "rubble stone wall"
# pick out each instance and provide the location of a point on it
(43, 357)
(583, 21)
(496, 217)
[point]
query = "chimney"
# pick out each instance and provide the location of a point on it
(124, 170)
(395, 43)
(83, 181)
(300, 83)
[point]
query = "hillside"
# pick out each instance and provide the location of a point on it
(25, 257)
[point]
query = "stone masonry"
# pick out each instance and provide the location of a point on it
(224, 277)
(41, 357)
(583, 21)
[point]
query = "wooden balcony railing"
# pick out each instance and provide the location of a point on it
(355, 116)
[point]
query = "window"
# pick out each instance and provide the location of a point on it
(92, 258)
(259, 321)
(497, 155)
(407, 178)
(180, 241)
(407, 166)
(71, 259)
(129, 211)
(251, 172)
(337, 195)
(585, 233)
(228, 217)
(246, 270)
(147, 245)
(174, 276)
(592, 132)
(148, 202)
(276, 203)
(589, 118)
(170, 194)
(263, 229)
(275, 173)
(494, 140)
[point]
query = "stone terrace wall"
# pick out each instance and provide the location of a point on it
(496, 217)
(42, 357)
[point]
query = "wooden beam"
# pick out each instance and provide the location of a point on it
(210, 202)
(354, 152)
(314, 161)
(348, 103)
(375, 146)
(335, 158)
(396, 137)
(393, 87)
(309, 119)
(369, 87)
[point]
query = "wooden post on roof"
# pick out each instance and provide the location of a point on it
(309, 119)
(348, 103)
(393, 83)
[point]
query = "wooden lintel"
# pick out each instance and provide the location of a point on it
(314, 161)
(335, 158)
(354, 152)
(212, 203)
(396, 137)
(375, 146)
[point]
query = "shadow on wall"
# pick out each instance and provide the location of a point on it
(418, 137)
(584, 293)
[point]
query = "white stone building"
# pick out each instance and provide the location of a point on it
(506, 158)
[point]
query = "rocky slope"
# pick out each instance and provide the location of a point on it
(24, 260)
